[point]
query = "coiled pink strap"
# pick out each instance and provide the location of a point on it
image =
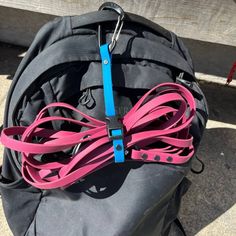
(161, 118)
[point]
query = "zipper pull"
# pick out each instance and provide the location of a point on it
(87, 99)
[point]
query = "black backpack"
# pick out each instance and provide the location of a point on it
(63, 64)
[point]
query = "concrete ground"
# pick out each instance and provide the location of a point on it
(209, 206)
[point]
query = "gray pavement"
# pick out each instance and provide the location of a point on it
(209, 206)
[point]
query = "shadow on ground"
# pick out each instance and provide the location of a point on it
(211, 58)
(213, 192)
(221, 101)
(10, 57)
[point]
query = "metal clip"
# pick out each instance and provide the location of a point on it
(116, 33)
(116, 8)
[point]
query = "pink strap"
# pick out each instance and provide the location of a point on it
(160, 119)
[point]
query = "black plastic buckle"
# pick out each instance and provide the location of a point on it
(114, 124)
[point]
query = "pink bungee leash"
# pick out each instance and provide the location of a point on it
(162, 116)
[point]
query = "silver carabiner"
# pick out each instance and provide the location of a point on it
(116, 33)
(121, 14)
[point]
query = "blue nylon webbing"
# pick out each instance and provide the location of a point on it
(109, 102)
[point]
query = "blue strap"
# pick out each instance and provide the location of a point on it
(116, 134)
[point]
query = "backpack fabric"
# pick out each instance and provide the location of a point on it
(63, 64)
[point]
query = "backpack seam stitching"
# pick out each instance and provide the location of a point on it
(36, 210)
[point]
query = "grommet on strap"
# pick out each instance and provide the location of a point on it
(114, 127)
(144, 156)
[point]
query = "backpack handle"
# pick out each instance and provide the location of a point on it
(114, 7)
(98, 17)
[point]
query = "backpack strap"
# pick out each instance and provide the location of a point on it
(180, 226)
(114, 127)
